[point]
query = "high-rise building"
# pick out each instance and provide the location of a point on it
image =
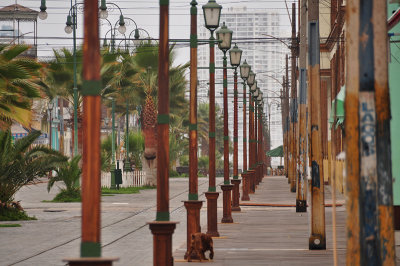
(254, 31)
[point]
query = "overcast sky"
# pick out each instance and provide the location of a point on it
(145, 13)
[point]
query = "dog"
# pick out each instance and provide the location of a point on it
(199, 245)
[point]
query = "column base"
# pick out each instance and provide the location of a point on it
(212, 215)
(252, 186)
(316, 242)
(162, 242)
(193, 224)
(245, 187)
(90, 261)
(227, 205)
(235, 195)
(301, 206)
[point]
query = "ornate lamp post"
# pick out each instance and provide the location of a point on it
(162, 228)
(212, 12)
(251, 172)
(255, 132)
(224, 36)
(193, 205)
(260, 136)
(235, 57)
(244, 74)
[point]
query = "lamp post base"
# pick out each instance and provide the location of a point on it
(212, 217)
(95, 261)
(235, 195)
(245, 187)
(193, 224)
(227, 204)
(162, 242)
(252, 185)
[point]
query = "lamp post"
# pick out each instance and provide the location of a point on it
(244, 74)
(255, 139)
(113, 144)
(212, 12)
(193, 205)
(235, 55)
(253, 85)
(260, 137)
(224, 36)
(127, 163)
(162, 229)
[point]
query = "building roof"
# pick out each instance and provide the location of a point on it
(18, 12)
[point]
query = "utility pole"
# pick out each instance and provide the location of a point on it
(301, 197)
(317, 238)
(293, 96)
(193, 205)
(370, 234)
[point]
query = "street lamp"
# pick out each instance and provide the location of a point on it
(212, 13)
(235, 55)
(251, 79)
(224, 37)
(43, 13)
(244, 74)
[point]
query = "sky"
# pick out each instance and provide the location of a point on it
(51, 33)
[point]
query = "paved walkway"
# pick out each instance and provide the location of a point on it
(259, 236)
(273, 235)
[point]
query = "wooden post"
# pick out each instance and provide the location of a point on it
(293, 96)
(162, 228)
(287, 121)
(301, 199)
(369, 181)
(211, 194)
(90, 243)
(193, 205)
(226, 187)
(317, 238)
(235, 181)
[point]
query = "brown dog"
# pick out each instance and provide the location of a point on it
(199, 245)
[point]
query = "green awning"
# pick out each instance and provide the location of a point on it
(339, 103)
(277, 152)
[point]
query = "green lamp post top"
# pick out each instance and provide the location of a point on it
(43, 13)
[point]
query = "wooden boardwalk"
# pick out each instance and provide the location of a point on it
(273, 235)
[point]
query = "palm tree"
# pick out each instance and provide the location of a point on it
(69, 174)
(19, 84)
(21, 164)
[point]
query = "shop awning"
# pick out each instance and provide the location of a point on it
(338, 103)
(277, 152)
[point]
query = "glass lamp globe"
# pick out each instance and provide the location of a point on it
(224, 36)
(235, 55)
(253, 87)
(103, 13)
(245, 70)
(42, 15)
(251, 79)
(68, 29)
(122, 29)
(212, 14)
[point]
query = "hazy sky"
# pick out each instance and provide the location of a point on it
(145, 13)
